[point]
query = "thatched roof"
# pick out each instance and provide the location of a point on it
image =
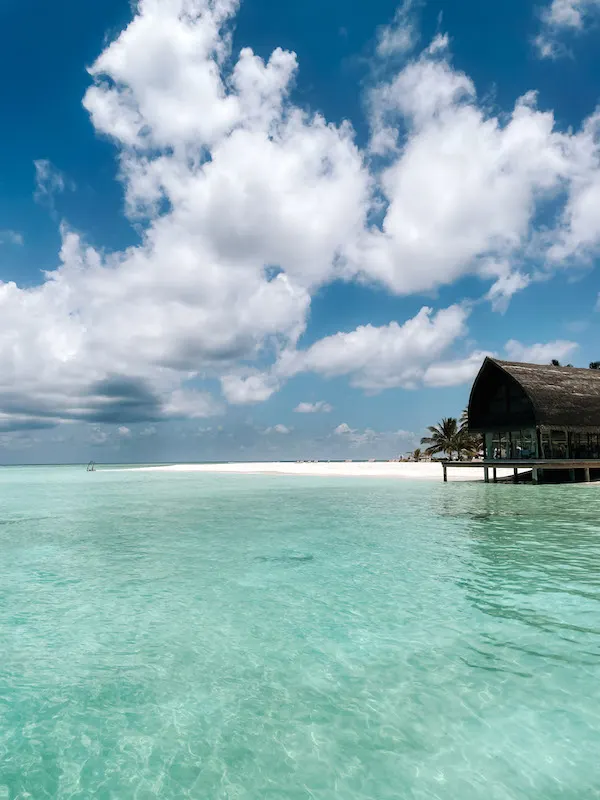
(562, 397)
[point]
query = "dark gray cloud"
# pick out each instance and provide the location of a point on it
(15, 424)
(120, 399)
(116, 400)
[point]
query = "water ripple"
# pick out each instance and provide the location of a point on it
(177, 636)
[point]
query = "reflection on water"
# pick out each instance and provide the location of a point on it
(533, 567)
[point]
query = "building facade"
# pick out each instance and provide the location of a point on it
(531, 411)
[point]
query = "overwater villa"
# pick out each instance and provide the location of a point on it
(543, 417)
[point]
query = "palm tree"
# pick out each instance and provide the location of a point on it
(445, 438)
(471, 443)
(417, 454)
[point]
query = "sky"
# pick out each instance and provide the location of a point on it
(265, 230)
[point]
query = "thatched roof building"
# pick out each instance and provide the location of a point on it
(509, 396)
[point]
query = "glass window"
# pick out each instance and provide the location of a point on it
(578, 445)
(546, 445)
(499, 441)
(528, 444)
(559, 444)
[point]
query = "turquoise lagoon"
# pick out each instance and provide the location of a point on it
(248, 637)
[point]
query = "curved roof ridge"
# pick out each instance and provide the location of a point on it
(563, 397)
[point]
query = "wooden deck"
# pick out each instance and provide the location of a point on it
(536, 466)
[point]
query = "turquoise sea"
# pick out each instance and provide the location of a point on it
(248, 637)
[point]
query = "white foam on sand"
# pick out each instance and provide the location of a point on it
(354, 469)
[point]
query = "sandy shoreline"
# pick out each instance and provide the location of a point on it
(405, 471)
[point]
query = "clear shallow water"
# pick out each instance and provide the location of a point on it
(247, 637)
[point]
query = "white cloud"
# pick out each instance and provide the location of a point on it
(248, 204)
(386, 357)
(578, 235)
(400, 36)
(505, 287)
(540, 353)
(282, 430)
(252, 183)
(462, 371)
(369, 437)
(559, 17)
(191, 404)
(462, 189)
(314, 408)
(124, 432)
(49, 181)
(248, 389)
(343, 429)
(11, 237)
(455, 373)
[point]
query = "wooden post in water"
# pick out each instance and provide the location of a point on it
(572, 475)
(535, 476)
(486, 474)
(445, 468)
(516, 475)
(586, 473)
(495, 472)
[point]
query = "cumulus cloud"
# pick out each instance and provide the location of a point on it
(248, 204)
(250, 182)
(248, 389)
(282, 430)
(540, 353)
(578, 235)
(460, 371)
(377, 358)
(314, 408)
(359, 438)
(560, 17)
(456, 372)
(462, 187)
(507, 284)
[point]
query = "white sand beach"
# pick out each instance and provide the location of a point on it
(355, 469)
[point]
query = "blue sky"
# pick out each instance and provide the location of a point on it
(286, 230)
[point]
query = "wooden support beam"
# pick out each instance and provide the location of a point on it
(516, 475)
(445, 468)
(535, 476)
(572, 475)
(486, 474)
(495, 473)
(586, 473)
